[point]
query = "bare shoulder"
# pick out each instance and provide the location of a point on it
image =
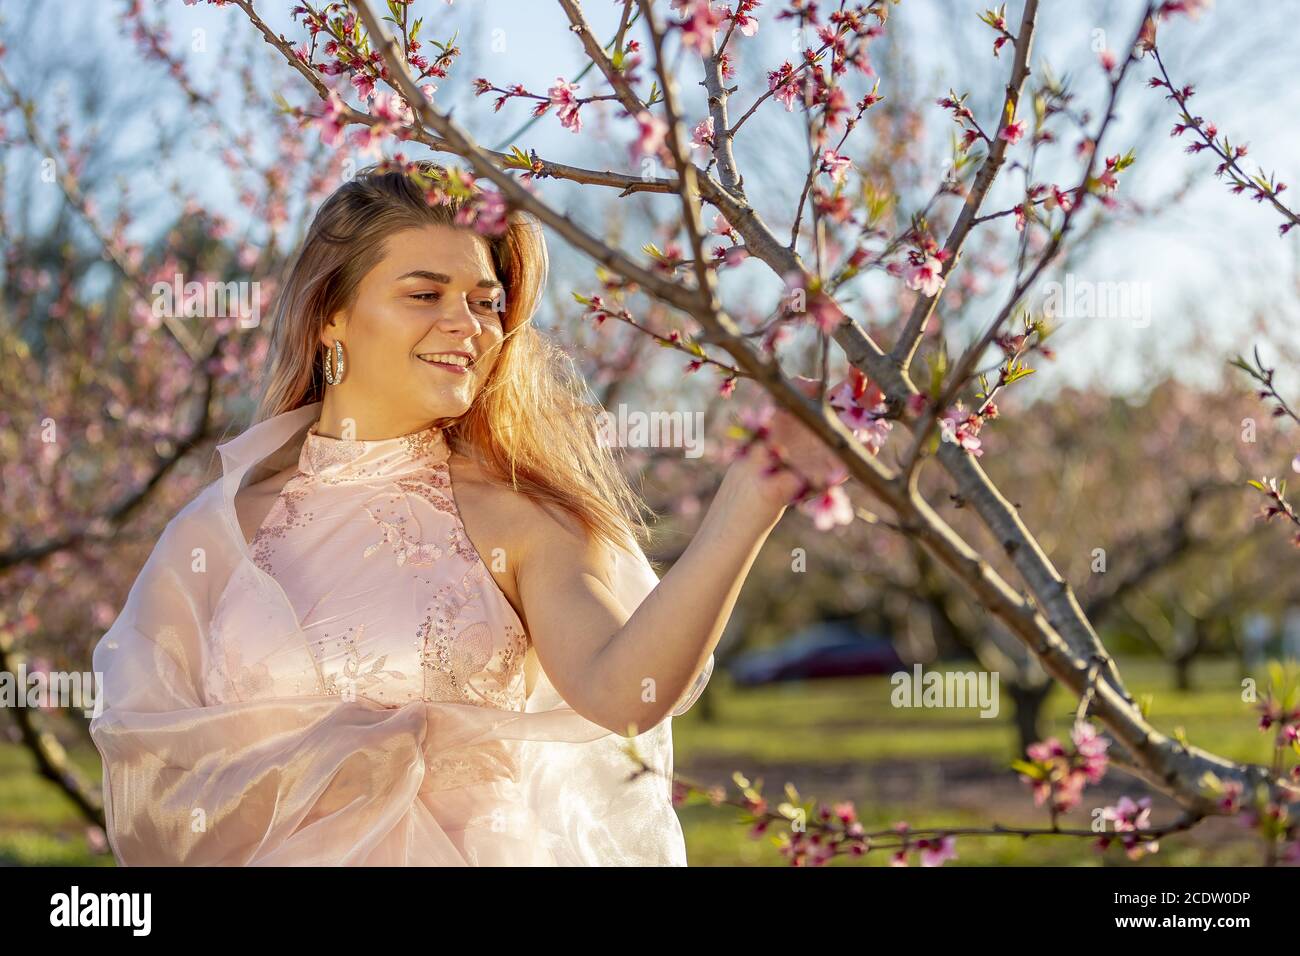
(505, 525)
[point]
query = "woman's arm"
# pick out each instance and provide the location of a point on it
(621, 649)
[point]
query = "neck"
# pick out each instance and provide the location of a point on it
(344, 420)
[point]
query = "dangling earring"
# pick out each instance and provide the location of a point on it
(334, 369)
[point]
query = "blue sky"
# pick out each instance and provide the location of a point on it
(1211, 260)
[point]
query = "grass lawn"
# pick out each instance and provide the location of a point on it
(842, 739)
(835, 740)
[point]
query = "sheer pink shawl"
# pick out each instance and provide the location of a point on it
(320, 780)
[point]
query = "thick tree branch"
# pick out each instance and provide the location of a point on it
(1072, 657)
(596, 53)
(723, 136)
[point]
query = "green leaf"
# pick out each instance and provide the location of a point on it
(1125, 161)
(877, 201)
(938, 369)
(518, 159)
(1031, 770)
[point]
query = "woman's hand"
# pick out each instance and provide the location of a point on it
(810, 462)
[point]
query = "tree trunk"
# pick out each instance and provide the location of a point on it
(1028, 716)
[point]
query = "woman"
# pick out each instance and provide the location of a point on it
(411, 623)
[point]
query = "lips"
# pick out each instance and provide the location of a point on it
(456, 362)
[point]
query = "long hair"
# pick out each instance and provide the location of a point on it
(531, 424)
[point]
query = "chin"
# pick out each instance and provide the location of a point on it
(451, 406)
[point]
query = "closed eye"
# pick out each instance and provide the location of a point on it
(421, 295)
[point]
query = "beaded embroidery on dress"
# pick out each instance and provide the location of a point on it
(412, 615)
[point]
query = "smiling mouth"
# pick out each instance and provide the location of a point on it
(453, 362)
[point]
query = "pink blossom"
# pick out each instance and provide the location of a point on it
(1130, 818)
(392, 110)
(564, 96)
(817, 306)
(486, 214)
(1012, 132)
(926, 277)
(1045, 750)
(1092, 749)
(861, 407)
(1192, 8)
(364, 85)
(700, 24)
(829, 509)
(331, 124)
(938, 852)
(835, 164)
(651, 131)
(961, 428)
(785, 88)
(1062, 198)
(702, 135)
(835, 206)
(392, 113)
(1107, 59)
(744, 22)
(735, 255)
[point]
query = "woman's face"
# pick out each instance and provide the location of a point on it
(422, 335)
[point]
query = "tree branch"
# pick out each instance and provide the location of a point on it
(905, 348)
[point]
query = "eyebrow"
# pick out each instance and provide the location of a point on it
(446, 279)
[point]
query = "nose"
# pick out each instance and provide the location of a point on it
(457, 318)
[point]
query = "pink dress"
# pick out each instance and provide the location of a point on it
(352, 688)
(392, 601)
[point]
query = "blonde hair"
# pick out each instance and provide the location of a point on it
(531, 424)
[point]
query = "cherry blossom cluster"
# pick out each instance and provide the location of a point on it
(600, 307)
(813, 832)
(1130, 819)
(1277, 506)
(1271, 811)
(860, 405)
(965, 120)
(997, 22)
(563, 97)
(845, 36)
(1261, 187)
(1274, 489)
(925, 263)
(349, 54)
(1057, 775)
